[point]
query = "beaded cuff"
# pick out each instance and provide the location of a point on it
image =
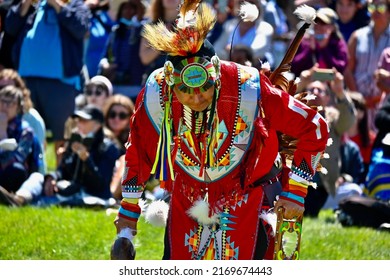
(129, 211)
(132, 191)
(296, 191)
(293, 198)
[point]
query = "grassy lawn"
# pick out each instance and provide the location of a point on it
(56, 233)
(86, 234)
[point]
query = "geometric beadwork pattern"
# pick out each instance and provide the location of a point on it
(211, 242)
(303, 170)
(315, 160)
(225, 161)
(244, 75)
(241, 125)
(230, 146)
(192, 241)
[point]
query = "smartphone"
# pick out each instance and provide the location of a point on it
(323, 75)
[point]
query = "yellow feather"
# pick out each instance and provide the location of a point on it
(189, 5)
(186, 39)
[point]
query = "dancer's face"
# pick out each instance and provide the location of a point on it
(195, 101)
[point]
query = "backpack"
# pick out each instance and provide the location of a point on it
(373, 208)
(378, 177)
(363, 211)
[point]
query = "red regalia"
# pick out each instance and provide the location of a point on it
(245, 151)
(214, 162)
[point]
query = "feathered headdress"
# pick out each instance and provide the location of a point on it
(188, 52)
(194, 22)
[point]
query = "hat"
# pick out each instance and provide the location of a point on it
(327, 15)
(103, 80)
(90, 112)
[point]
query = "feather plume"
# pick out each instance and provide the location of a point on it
(188, 5)
(248, 12)
(277, 77)
(270, 218)
(192, 26)
(308, 14)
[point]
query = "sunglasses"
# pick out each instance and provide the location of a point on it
(380, 8)
(316, 89)
(121, 115)
(97, 92)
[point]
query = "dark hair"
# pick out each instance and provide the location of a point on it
(120, 32)
(157, 11)
(244, 49)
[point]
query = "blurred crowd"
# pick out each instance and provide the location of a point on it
(71, 70)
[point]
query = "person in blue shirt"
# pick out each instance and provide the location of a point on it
(121, 62)
(99, 31)
(48, 54)
(352, 16)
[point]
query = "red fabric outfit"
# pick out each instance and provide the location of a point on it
(245, 152)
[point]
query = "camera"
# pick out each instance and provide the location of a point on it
(86, 141)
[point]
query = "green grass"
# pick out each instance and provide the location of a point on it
(61, 233)
(50, 156)
(56, 233)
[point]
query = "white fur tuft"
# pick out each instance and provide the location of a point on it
(266, 66)
(306, 13)
(330, 142)
(126, 233)
(248, 12)
(143, 205)
(310, 97)
(326, 155)
(200, 212)
(157, 213)
(270, 218)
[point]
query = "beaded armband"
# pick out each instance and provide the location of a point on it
(131, 192)
(130, 189)
(129, 210)
(298, 183)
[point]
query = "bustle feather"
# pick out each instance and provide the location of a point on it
(308, 15)
(279, 79)
(194, 22)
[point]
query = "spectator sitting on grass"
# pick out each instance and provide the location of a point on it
(20, 152)
(30, 114)
(84, 174)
